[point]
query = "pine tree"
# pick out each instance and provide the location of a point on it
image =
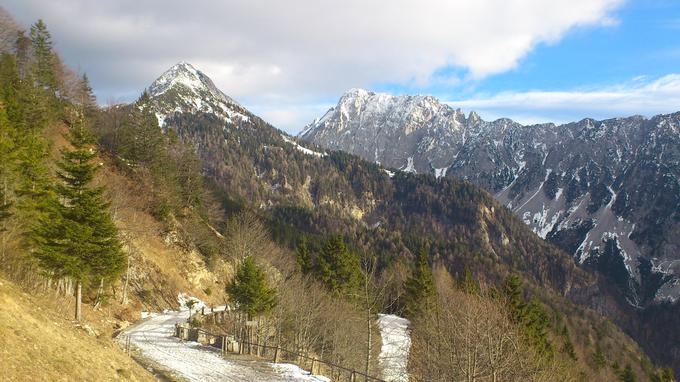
(419, 289)
(537, 324)
(515, 297)
(250, 290)
(45, 59)
(339, 268)
(7, 156)
(5, 206)
(667, 375)
(77, 238)
(627, 375)
(467, 282)
(23, 173)
(22, 48)
(599, 359)
(530, 315)
(86, 97)
(302, 255)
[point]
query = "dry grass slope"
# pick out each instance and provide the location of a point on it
(38, 344)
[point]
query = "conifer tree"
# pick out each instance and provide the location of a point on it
(339, 268)
(22, 48)
(599, 360)
(23, 174)
(302, 255)
(530, 315)
(250, 290)
(627, 375)
(5, 206)
(7, 154)
(467, 282)
(43, 68)
(419, 289)
(515, 296)
(86, 97)
(78, 238)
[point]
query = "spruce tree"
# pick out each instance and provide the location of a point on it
(627, 375)
(515, 297)
(250, 290)
(302, 255)
(78, 239)
(599, 360)
(5, 206)
(419, 289)
(467, 282)
(531, 316)
(23, 150)
(7, 155)
(86, 98)
(339, 268)
(44, 57)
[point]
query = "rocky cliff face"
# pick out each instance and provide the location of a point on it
(607, 192)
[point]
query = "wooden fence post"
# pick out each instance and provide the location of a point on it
(224, 345)
(313, 362)
(353, 376)
(276, 355)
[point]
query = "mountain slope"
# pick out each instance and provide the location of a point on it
(303, 190)
(37, 344)
(248, 157)
(607, 192)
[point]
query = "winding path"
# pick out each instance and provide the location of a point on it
(194, 362)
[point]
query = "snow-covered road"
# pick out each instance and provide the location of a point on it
(193, 362)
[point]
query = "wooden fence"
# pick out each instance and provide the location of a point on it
(227, 343)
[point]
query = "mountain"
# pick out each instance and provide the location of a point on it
(331, 191)
(608, 192)
(183, 89)
(306, 190)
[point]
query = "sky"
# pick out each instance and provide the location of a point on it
(289, 61)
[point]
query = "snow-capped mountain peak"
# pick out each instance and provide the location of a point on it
(383, 127)
(185, 89)
(186, 76)
(592, 187)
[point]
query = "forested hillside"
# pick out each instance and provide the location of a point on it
(312, 246)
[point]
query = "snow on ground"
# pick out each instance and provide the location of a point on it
(194, 362)
(409, 166)
(303, 149)
(396, 344)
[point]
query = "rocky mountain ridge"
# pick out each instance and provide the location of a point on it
(315, 191)
(608, 192)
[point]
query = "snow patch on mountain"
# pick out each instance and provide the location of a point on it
(303, 149)
(551, 176)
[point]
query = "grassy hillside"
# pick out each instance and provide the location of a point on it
(38, 344)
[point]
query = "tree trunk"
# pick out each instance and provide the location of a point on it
(100, 292)
(127, 279)
(79, 299)
(369, 343)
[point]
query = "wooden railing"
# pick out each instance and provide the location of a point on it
(229, 344)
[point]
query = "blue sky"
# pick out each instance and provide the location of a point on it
(640, 46)
(530, 60)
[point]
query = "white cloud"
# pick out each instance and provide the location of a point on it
(303, 50)
(641, 95)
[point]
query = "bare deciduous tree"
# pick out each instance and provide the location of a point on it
(469, 337)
